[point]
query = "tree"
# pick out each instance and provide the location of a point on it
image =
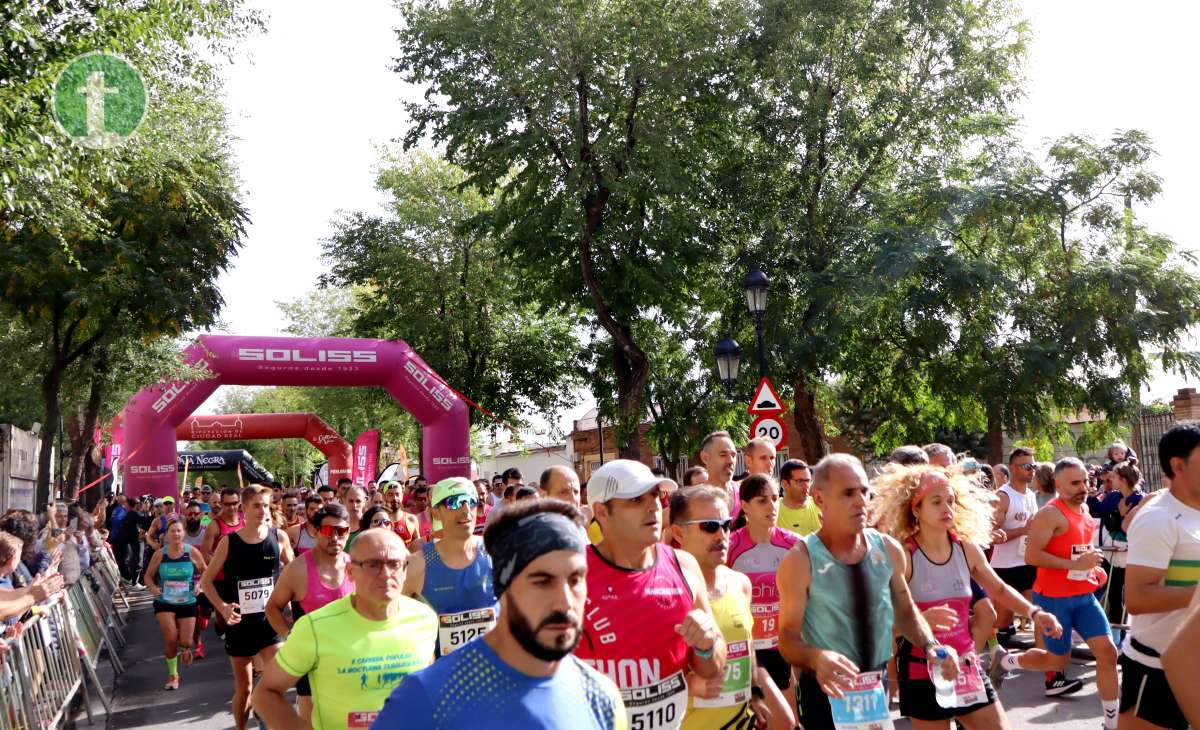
(165, 234)
(423, 274)
(852, 103)
(1022, 294)
(595, 125)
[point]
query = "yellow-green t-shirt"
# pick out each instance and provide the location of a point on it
(353, 663)
(730, 709)
(802, 521)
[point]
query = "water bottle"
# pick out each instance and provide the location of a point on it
(943, 688)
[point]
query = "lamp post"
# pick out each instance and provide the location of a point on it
(729, 357)
(756, 300)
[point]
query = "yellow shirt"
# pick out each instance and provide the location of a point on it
(802, 521)
(353, 663)
(730, 709)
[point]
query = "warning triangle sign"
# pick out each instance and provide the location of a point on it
(765, 399)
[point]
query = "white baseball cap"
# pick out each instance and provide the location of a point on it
(621, 479)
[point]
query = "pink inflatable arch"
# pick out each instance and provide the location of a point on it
(253, 426)
(151, 417)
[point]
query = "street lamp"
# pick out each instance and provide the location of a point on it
(756, 300)
(729, 357)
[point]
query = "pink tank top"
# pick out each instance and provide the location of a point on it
(316, 593)
(759, 562)
(629, 634)
(942, 584)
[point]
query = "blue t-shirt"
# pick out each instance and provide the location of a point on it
(473, 688)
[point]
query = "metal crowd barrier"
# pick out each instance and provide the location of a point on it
(54, 659)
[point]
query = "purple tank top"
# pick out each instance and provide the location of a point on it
(316, 593)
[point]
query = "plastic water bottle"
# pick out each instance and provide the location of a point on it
(943, 688)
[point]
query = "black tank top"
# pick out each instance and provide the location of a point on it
(246, 561)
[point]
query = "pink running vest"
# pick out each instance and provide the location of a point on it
(316, 593)
(759, 562)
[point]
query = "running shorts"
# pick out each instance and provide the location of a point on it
(184, 610)
(776, 666)
(1081, 614)
(1020, 578)
(249, 636)
(1145, 691)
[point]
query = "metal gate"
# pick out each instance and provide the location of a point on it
(1151, 429)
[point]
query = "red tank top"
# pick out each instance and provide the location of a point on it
(223, 530)
(629, 634)
(1076, 539)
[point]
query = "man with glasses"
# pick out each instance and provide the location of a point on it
(454, 574)
(355, 650)
(327, 494)
(798, 513)
(249, 559)
(648, 620)
(319, 578)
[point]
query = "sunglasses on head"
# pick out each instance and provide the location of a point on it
(458, 500)
(711, 526)
(331, 530)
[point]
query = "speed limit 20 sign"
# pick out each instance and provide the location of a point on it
(770, 428)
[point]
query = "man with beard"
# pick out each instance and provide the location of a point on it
(521, 674)
(355, 650)
(1068, 573)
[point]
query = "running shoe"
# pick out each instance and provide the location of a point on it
(1062, 686)
(138, 586)
(172, 683)
(198, 652)
(995, 671)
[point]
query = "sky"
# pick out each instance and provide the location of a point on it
(316, 99)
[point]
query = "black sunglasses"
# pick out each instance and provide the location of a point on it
(711, 526)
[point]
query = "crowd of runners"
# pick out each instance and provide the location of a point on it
(820, 599)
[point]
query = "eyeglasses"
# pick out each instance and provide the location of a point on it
(374, 566)
(331, 530)
(385, 522)
(711, 526)
(456, 501)
(229, 504)
(1027, 467)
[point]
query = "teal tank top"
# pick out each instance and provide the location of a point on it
(177, 578)
(850, 606)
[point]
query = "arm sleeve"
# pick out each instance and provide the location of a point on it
(407, 707)
(298, 655)
(1151, 539)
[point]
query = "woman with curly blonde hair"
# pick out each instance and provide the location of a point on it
(944, 521)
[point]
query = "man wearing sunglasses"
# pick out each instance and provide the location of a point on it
(700, 525)
(648, 618)
(454, 574)
(319, 577)
(356, 649)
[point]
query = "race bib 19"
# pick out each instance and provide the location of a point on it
(736, 690)
(766, 625)
(253, 594)
(657, 706)
(864, 707)
(456, 629)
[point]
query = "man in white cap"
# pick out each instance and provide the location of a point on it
(648, 619)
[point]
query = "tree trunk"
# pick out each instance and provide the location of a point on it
(632, 375)
(808, 425)
(51, 382)
(995, 435)
(84, 425)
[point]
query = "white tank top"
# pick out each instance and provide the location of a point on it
(1022, 506)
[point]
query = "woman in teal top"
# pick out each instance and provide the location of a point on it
(171, 579)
